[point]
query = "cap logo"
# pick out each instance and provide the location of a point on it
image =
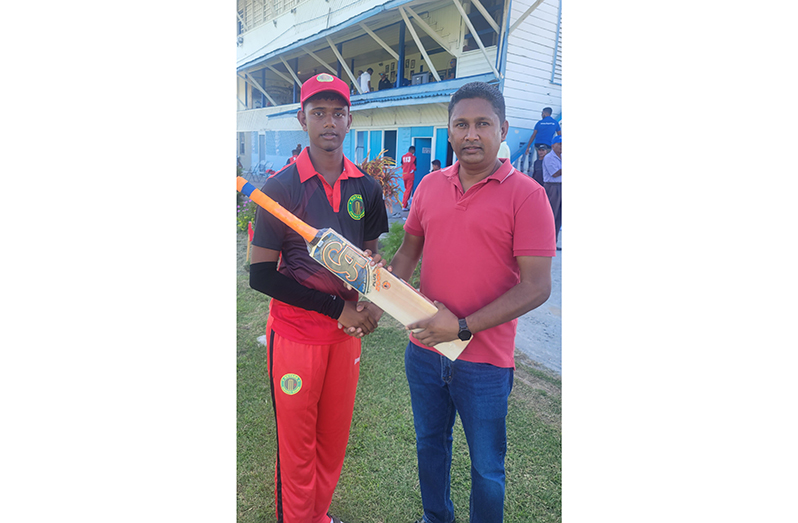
(324, 77)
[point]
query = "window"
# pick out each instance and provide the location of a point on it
(360, 146)
(240, 143)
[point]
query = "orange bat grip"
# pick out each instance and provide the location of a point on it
(257, 196)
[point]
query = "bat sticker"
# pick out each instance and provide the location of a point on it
(344, 261)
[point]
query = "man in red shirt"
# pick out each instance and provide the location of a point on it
(408, 170)
(486, 233)
(313, 363)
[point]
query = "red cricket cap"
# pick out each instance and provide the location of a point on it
(324, 82)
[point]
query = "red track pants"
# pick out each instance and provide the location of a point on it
(408, 190)
(313, 392)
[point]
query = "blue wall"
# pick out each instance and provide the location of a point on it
(441, 141)
(349, 145)
(406, 134)
(375, 144)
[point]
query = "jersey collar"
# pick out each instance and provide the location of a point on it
(307, 171)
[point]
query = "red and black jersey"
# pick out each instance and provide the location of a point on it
(353, 206)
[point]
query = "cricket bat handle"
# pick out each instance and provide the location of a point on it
(274, 208)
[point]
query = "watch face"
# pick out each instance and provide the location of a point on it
(464, 333)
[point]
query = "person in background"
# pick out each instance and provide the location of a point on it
(552, 182)
(504, 151)
(537, 167)
(436, 165)
(365, 80)
(384, 82)
(408, 172)
(545, 130)
(295, 153)
(451, 73)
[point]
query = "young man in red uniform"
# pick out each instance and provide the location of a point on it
(313, 363)
(408, 170)
(294, 154)
(486, 232)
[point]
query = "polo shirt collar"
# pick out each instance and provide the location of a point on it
(307, 171)
(502, 173)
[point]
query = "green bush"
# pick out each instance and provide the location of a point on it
(245, 208)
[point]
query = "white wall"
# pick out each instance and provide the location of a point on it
(473, 62)
(530, 54)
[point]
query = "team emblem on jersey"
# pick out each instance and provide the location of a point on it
(355, 207)
(291, 384)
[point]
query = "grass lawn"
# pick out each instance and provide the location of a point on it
(379, 480)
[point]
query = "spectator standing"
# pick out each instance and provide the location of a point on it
(365, 81)
(295, 154)
(552, 182)
(451, 72)
(384, 82)
(408, 174)
(545, 130)
(504, 151)
(537, 167)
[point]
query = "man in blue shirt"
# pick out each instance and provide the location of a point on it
(545, 130)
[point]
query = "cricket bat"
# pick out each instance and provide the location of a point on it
(339, 256)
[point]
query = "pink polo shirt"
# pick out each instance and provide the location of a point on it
(471, 241)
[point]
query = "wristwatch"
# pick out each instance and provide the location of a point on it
(464, 333)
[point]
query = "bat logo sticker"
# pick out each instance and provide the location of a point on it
(341, 259)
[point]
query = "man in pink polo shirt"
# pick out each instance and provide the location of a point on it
(486, 233)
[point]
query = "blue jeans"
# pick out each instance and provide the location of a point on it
(439, 389)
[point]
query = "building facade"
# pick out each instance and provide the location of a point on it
(426, 49)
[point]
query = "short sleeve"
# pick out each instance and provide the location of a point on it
(548, 166)
(533, 233)
(269, 231)
(376, 216)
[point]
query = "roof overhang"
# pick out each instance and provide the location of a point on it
(270, 54)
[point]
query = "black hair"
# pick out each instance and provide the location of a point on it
(411, 148)
(436, 162)
(547, 110)
(325, 95)
(480, 90)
